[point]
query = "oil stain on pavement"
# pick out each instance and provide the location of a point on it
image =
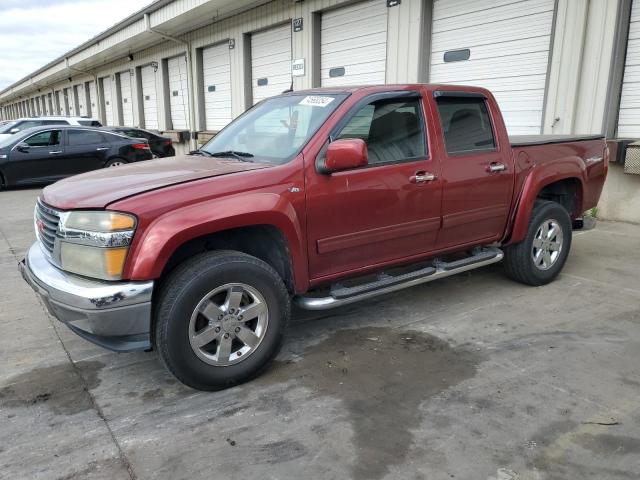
(381, 375)
(58, 387)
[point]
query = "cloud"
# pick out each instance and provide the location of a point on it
(35, 32)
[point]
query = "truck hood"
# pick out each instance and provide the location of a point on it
(99, 188)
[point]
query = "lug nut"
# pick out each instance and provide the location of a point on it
(226, 335)
(240, 318)
(237, 329)
(217, 329)
(231, 310)
(220, 317)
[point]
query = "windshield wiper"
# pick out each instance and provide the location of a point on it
(200, 152)
(244, 156)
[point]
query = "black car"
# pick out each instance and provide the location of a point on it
(47, 154)
(160, 146)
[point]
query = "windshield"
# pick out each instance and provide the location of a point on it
(6, 127)
(275, 130)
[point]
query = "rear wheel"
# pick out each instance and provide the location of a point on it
(115, 162)
(539, 258)
(221, 319)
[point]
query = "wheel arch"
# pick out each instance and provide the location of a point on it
(566, 188)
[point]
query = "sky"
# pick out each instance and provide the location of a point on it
(35, 32)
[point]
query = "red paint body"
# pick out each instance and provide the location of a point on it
(351, 221)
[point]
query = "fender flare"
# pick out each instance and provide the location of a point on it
(151, 251)
(538, 178)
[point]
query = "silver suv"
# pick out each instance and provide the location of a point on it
(20, 124)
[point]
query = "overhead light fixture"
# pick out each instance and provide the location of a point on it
(131, 57)
(154, 65)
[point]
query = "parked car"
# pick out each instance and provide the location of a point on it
(23, 123)
(47, 154)
(160, 146)
(324, 197)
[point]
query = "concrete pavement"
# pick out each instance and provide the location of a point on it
(471, 377)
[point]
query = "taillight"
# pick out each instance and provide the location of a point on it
(140, 146)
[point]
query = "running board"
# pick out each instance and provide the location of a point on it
(340, 295)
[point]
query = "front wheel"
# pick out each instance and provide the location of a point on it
(221, 319)
(539, 258)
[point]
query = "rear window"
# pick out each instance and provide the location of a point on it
(466, 124)
(84, 137)
(55, 122)
(89, 123)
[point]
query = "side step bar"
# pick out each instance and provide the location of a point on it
(339, 295)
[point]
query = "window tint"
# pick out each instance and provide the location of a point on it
(89, 123)
(54, 122)
(84, 137)
(466, 124)
(44, 139)
(392, 129)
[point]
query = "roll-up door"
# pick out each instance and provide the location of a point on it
(629, 115)
(126, 103)
(82, 99)
(149, 97)
(50, 104)
(108, 104)
(502, 45)
(178, 92)
(61, 105)
(93, 100)
(216, 73)
(353, 44)
(271, 62)
(43, 100)
(70, 101)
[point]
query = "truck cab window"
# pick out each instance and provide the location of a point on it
(393, 130)
(466, 124)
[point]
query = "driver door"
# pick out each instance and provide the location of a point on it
(385, 212)
(36, 159)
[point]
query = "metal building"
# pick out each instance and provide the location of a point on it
(187, 67)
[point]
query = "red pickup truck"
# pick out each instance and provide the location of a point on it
(322, 197)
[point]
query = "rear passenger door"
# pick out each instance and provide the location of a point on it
(477, 170)
(85, 150)
(385, 211)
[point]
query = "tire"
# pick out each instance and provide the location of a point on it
(115, 162)
(188, 306)
(524, 262)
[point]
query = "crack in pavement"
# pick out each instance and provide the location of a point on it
(121, 453)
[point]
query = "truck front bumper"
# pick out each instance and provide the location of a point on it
(114, 315)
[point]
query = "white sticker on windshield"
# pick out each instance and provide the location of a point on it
(316, 101)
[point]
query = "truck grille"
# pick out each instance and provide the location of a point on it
(46, 224)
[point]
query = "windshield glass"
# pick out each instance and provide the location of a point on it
(6, 127)
(275, 130)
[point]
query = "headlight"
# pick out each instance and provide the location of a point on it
(95, 244)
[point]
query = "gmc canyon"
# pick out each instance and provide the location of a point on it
(323, 198)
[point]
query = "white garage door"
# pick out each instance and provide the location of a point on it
(93, 100)
(82, 99)
(353, 44)
(61, 108)
(149, 97)
(502, 45)
(126, 101)
(216, 73)
(70, 101)
(108, 104)
(271, 62)
(629, 116)
(178, 93)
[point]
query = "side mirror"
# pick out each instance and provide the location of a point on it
(22, 147)
(345, 154)
(14, 130)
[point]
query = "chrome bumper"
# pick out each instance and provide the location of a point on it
(114, 315)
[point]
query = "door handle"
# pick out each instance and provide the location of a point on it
(100, 149)
(55, 152)
(496, 167)
(423, 177)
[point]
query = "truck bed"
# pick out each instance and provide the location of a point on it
(525, 140)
